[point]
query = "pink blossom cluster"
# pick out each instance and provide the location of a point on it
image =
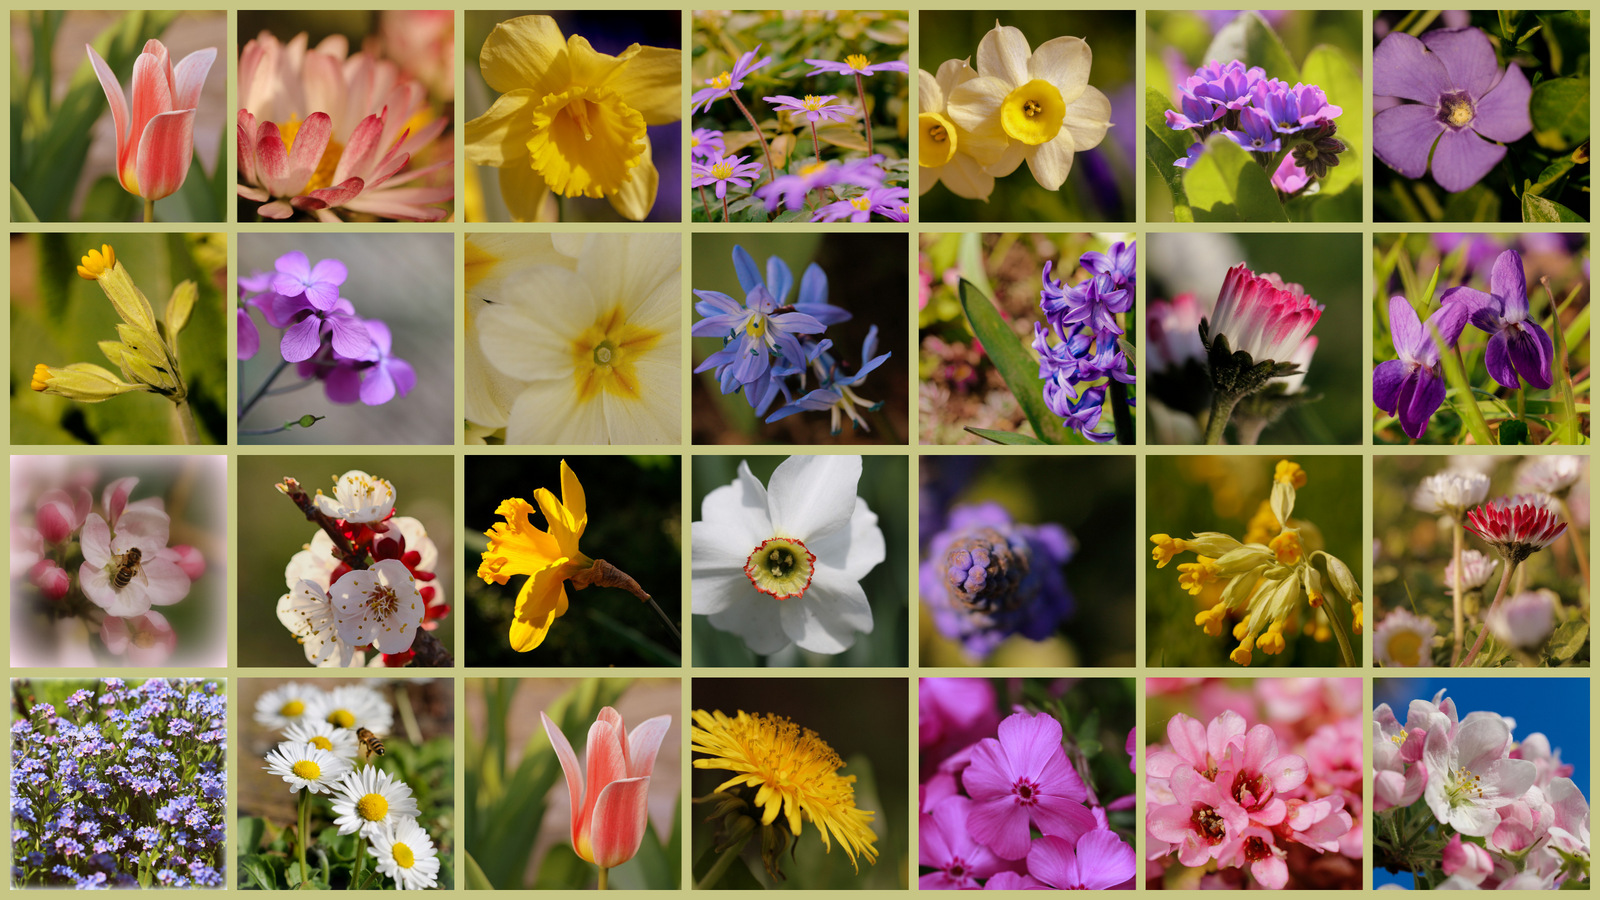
(1274, 805)
(1513, 817)
(1002, 807)
(118, 552)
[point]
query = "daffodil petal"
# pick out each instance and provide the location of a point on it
(572, 496)
(591, 67)
(1088, 118)
(965, 178)
(1003, 53)
(1064, 62)
(499, 137)
(930, 97)
(542, 600)
(652, 82)
(975, 108)
(1013, 156)
(526, 195)
(525, 52)
(1051, 161)
(637, 196)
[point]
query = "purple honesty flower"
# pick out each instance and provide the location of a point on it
(945, 845)
(706, 144)
(986, 578)
(1517, 345)
(857, 64)
(1462, 98)
(249, 337)
(320, 283)
(306, 324)
(723, 171)
(884, 201)
(1412, 387)
(814, 108)
(726, 83)
(1255, 132)
(389, 376)
(1023, 778)
(1099, 861)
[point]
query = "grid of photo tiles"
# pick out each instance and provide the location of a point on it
(541, 517)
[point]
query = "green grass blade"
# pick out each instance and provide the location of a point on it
(1463, 391)
(1016, 365)
(1003, 437)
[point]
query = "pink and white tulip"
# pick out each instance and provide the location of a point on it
(1264, 316)
(610, 806)
(155, 137)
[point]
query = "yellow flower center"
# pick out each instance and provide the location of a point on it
(757, 326)
(936, 141)
(307, 769)
(342, 718)
(323, 176)
(382, 602)
(812, 103)
(97, 262)
(292, 708)
(722, 170)
(1033, 112)
(321, 743)
(604, 357)
(721, 82)
(585, 141)
(372, 807)
(403, 857)
(857, 61)
(780, 567)
(1405, 648)
(862, 202)
(1287, 547)
(813, 168)
(41, 377)
(1456, 109)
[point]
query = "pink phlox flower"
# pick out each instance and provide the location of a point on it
(726, 83)
(945, 845)
(1201, 817)
(1254, 847)
(58, 514)
(1024, 778)
(953, 713)
(159, 581)
(1255, 773)
(1100, 860)
(1011, 881)
(1471, 776)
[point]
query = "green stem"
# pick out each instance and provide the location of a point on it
(304, 828)
(772, 171)
(1455, 585)
(355, 879)
(191, 433)
(1120, 416)
(262, 391)
(662, 613)
(1483, 631)
(816, 148)
(1330, 609)
(721, 866)
(1221, 411)
(866, 117)
(149, 211)
(1577, 546)
(602, 885)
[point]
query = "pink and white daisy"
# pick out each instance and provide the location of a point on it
(1262, 315)
(1517, 526)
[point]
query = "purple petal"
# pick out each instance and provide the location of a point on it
(1508, 283)
(1502, 114)
(302, 339)
(1419, 400)
(378, 387)
(249, 337)
(1403, 67)
(1052, 861)
(283, 308)
(1467, 55)
(330, 271)
(382, 339)
(350, 338)
(1104, 860)
(1386, 381)
(1449, 319)
(343, 385)
(405, 377)
(322, 295)
(1481, 309)
(1462, 159)
(1405, 329)
(1403, 135)
(1532, 353)
(797, 323)
(293, 264)
(745, 267)
(1497, 359)
(1001, 825)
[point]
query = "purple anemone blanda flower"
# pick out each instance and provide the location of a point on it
(723, 171)
(884, 201)
(1517, 345)
(857, 64)
(815, 109)
(1412, 387)
(726, 83)
(1462, 98)
(1024, 777)
(791, 190)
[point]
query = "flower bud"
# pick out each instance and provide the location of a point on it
(190, 560)
(113, 278)
(145, 359)
(1339, 574)
(86, 382)
(50, 578)
(179, 306)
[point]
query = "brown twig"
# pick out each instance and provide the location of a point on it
(428, 651)
(342, 550)
(604, 574)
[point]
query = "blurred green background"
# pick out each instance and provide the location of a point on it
(864, 720)
(867, 275)
(1097, 510)
(1324, 264)
(634, 505)
(1187, 494)
(58, 318)
(1100, 187)
(406, 280)
(883, 486)
(272, 529)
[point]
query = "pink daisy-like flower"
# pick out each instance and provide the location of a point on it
(726, 83)
(857, 64)
(1023, 778)
(1262, 315)
(723, 171)
(815, 109)
(1517, 526)
(320, 129)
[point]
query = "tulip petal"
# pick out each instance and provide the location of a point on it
(165, 150)
(115, 98)
(152, 96)
(617, 823)
(569, 763)
(644, 743)
(189, 76)
(605, 762)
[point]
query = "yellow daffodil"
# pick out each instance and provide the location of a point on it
(941, 156)
(548, 558)
(571, 120)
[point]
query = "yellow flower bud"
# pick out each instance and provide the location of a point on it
(1289, 473)
(1287, 547)
(97, 262)
(1241, 629)
(1356, 606)
(1193, 577)
(1211, 619)
(1272, 643)
(80, 381)
(1166, 547)
(1241, 653)
(129, 302)
(179, 306)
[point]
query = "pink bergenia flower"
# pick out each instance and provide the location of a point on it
(143, 640)
(946, 846)
(155, 138)
(1197, 821)
(1099, 861)
(1254, 847)
(159, 581)
(1262, 315)
(1471, 776)
(1256, 773)
(59, 514)
(1024, 778)
(610, 806)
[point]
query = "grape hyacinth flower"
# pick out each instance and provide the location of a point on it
(1412, 387)
(1463, 104)
(1257, 332)
(986, 578)
(1517, 344)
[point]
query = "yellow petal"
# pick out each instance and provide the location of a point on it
(499, 137)
(516, 547)
(526, 196)
(572, 496)
(637, 196)
(543, 599)
(589, 66)
(584, 141)
(652, 82)
(525, 52)
(563, 524)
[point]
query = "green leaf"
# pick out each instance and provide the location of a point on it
(1568, 640)
(1251, 40)
(257, 873)
(251, 830)
(1164, 146)
(1458, 382)
(1226, 185)
(562, 869)
(1017, 367)
(1004, 437)
(20, 210)
(1513, 431)
(476, 881)
(1560, 111)
(1332, 71)
(1539, 209)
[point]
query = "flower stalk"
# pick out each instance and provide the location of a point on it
(1511, 566)
(766, 153)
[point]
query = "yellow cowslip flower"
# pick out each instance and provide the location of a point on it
(1166, 547)
(1272, 642)
(1193, 577)
(1211, 619)
(548, 558)
(1289, 473)
(571, 120)
(1287, 547)
(84, 382)
(97, 262)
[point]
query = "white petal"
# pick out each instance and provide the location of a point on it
(165, 583)
(548, 412)
(653, 418)
(930, 97)
(1003, 53)
(833, 610)
(963, 176)
(812, 496)
(95, 541)
(756, 619)
(525, 345)
(1051, 161)
(625, 269)
(1088, 118)
(142, 527)
(974, 107)
(713, 591)
(1064, 62)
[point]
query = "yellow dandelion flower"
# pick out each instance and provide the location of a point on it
(793, 771)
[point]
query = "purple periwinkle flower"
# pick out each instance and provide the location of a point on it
(1463, 103)
(1022, 779)
(1517, 345)
(1412, 387)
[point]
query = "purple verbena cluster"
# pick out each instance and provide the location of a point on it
(127, 787)
(1080, 364)
(986, 578)
(1289, 130)
(770, 346)
(322, 334)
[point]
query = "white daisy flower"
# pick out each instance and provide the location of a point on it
(783, 564)
(405, 853)
(310, 616)
(354, 706)
(308, 768)
(1403, 639)
(358, 497)
(378, 606)
(369, 800)
(340, 742)
(285, 704)
(1548, 474)
(1450, 493)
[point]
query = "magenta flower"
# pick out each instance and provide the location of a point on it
(1517, 345)
(856, 64)
(953, 713)
(1262, 315)
(305, 325)
(389, 376)
(1200, 817)
(1100, 861)
(249, 337)
(1256, 773)
(888, 202)
(1517, 526)
(1011, 881)
(727, 82)
(1024, 778)
(792, 190)
(320, 283)
(815, 109)
(1412, 387)
(1463, 104)
(946, 845)
(723, 171)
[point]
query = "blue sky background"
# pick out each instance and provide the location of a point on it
(1558, 707)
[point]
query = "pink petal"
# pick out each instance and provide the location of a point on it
(618, 823)
(115, 98)
(569, 767)
(164, 153)
(245, 127)
(272, 164)
(309, 144)
(361, 150)
(189, 76)
(606, 763)
(95, 541)
(644, 743)
(278, 209)
(339, 194)
(166, 584)
(152, 96)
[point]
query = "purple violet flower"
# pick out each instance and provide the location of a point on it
(1462, 98)
(1412, 387)
(1517, 345)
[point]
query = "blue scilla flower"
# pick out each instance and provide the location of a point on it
(813, 297)
(752, 331)
(835, 392)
